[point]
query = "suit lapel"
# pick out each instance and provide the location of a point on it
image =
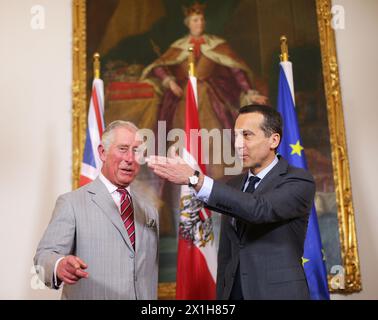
(268, 182)
(105, 202)
(139, 220)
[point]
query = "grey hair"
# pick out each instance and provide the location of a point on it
(107, 136)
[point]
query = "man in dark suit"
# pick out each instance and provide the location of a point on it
(265, 212)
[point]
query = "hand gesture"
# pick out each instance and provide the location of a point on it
(71, 269)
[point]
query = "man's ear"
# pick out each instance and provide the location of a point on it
(101, 152)
(275, 140)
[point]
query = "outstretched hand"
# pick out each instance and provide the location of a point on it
(173, 169)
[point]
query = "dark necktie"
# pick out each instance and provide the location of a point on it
(251, 184)
(250, 189)
(127, 214)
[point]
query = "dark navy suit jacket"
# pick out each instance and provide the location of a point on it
(273, 229)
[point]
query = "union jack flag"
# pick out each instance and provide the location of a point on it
(91, 164)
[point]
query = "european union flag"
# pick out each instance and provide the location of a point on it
(292, 150)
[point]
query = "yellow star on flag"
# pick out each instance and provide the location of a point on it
(304, 260)
(296, 149)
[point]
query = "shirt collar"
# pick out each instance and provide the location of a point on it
(264, 171)
(110, 186)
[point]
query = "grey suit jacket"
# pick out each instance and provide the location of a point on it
(273, 228)
(86, 223)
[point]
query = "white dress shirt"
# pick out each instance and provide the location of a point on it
(113, 190)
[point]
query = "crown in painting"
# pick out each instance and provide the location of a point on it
(196, 8)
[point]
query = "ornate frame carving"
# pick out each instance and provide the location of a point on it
(340, 162)
(79, 87)
(347, 230)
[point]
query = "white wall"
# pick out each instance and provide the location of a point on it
(35, 122)
(35, 139)
(357, 55)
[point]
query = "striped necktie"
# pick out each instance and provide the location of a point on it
(127, 214)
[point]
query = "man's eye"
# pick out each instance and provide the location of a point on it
(123, 149)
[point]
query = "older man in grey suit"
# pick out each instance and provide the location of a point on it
(102, 241)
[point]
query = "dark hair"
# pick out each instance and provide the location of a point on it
(272, 119)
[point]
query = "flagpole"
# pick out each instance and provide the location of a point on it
(284, 56)
(286, 64)
(191, 70)
(96, 65)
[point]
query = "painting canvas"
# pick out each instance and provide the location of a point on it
(133, 37)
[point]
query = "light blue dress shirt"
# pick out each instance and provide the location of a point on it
(205, 191)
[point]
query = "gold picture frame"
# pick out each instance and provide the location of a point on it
(340, 162)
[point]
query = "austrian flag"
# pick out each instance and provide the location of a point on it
(196, 257)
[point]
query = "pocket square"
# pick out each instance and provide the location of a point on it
(151, 223)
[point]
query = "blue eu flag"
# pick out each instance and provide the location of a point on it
(291, 149)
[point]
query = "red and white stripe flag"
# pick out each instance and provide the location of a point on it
(196, 257)
(91, 164)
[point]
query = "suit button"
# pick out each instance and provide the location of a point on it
(132, 255)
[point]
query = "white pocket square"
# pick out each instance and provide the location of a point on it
(151, 223)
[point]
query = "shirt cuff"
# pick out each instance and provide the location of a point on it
(56, 284)
(204, 193)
